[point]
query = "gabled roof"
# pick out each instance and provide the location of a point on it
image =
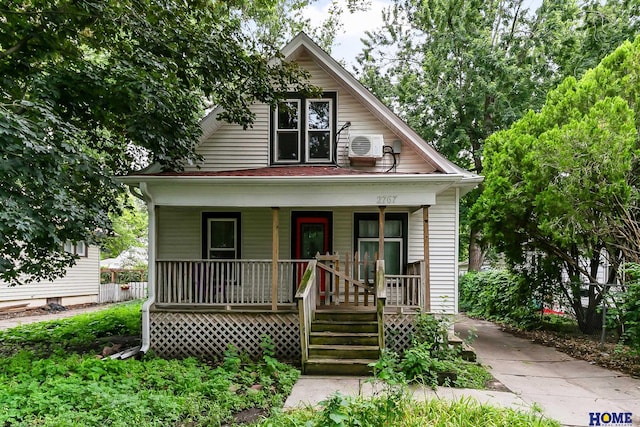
(303, 44)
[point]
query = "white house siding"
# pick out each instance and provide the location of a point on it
(180, 232)
(79, 286)
(443, 251)
(230, 147)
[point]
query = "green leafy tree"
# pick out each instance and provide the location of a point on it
(129, 229)
(558, 181)
(459, 70)
(91, 89)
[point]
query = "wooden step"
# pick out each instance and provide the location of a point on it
(343, 326)
(346, 316)
(344, 338)
(466, 351)
(338, 366)
(344, 351)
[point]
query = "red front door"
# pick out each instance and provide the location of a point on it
(311, 234)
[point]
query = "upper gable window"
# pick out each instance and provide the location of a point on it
(304, 130)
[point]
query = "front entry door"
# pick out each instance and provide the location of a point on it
(311, 234)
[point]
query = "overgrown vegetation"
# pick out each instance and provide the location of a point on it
(499, 295)
(51, 377)
(400, 410)
(431, 359)
(506, 297)
(626, 308)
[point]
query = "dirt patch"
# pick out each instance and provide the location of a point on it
(248, 416)
(42, 311)
(585, 347)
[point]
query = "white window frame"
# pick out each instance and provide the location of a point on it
(308, 131)
(79, 248)
(235, 238)
(279, 130)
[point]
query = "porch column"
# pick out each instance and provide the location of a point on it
(381, 233)
(427, 263)
(275, 255)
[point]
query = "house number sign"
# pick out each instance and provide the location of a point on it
(386, 199)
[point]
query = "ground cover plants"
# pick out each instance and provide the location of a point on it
(398, 409)
(59, 381)
(431, 359)
(52, 374)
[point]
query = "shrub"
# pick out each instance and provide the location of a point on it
(499, 295)
(629, 307)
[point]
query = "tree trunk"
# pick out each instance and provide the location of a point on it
(476, 255)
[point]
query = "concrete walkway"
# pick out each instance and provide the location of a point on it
(565, 389)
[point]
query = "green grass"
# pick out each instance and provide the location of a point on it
(81, 333)
(398, 410)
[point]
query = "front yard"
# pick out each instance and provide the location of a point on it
(53, 374)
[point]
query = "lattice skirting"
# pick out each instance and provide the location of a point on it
(208, 335)
(398, 331)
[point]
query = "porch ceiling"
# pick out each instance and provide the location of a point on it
(257, 190)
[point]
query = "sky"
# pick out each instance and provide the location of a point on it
(347, 42)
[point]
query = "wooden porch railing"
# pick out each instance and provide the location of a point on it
(341, 286)
(248, 282)
(306, 298)
(225, 282)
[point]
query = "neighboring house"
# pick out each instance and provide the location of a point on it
(232, 236)
(80, 285)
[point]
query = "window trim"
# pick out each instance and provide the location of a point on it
(206, 217)
(388, 216)
(80, 248)
(303, 131)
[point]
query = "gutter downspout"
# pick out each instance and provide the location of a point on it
(151, 276)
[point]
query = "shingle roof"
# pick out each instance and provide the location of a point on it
(278, 171)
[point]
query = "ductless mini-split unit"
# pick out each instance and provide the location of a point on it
(366, 147)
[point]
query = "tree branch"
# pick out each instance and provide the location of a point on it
(16, 47)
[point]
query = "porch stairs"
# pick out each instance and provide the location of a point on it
(342, 343)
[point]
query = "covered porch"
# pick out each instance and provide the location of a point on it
(205, 295)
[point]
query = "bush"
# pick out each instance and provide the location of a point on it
(430, 359)
(629, 307)
(499, 295)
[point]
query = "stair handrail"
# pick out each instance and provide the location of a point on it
(381, 300)
(306, 300)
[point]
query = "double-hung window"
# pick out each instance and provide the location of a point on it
(368, 242)
(221, 237)
(304, 130)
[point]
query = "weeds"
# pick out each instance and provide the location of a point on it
(61, 387)
(345, 411)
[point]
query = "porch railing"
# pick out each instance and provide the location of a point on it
(225, 282)
(248, 282)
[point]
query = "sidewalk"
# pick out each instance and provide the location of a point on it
(567, 390)
(311, 390)
(12, 322)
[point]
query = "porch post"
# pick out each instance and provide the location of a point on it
(427, 263)
(381, 233)
(275, 255)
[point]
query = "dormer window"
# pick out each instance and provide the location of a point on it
(304, 130)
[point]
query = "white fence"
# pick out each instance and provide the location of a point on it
(114, 292)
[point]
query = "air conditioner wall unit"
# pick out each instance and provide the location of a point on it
(366, 146)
